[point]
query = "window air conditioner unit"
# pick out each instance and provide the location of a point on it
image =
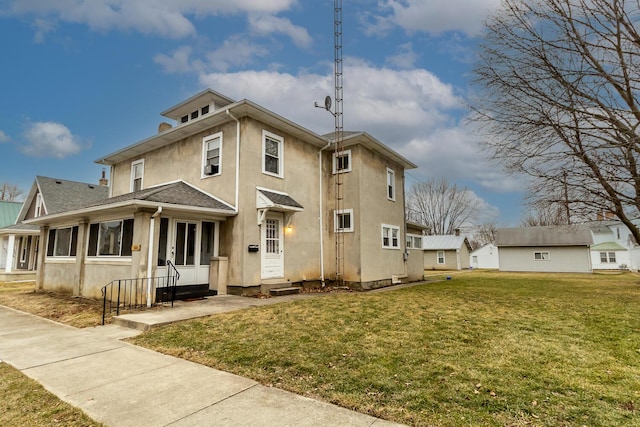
(209, 170)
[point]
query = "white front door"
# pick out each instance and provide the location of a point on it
(184, 251)
(272, 246)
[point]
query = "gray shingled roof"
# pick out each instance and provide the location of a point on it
(281, 199)
(60, 195)
(568, 235)
(177, 193)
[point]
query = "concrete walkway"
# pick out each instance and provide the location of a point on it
(120, 384)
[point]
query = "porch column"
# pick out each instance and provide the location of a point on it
(42, 254)
(81, 251)
(140, 244)
(10, 250)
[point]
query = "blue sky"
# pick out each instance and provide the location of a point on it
(81, 79)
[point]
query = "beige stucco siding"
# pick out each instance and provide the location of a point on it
(450, 260)
(569, 259)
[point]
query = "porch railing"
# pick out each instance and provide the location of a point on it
(126, 294)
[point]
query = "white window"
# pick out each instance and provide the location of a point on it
(391, 184)
(343, 220)
(62, 242)
(212, 155)
(38, 205)
(414, 241)
(606, 259)
(441, 257)
(541, 256)
(342, 161)
(272, 154)
(111, 238)
(137, 173)
(390, 236)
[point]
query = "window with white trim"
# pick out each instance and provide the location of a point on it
(391, 184)
(342, 161)
(38, 211)
(343, 220)
(607, 257)
(137, 173)
(440, 256)
(110, 238)
(212, 155)
(272, 155)
(390, 236)
(414, 241)
(63, 242)
(541, 256)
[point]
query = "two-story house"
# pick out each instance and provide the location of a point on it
(239, 198)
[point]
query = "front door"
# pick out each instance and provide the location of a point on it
(184, 251)
(272, 244)
(194, 243)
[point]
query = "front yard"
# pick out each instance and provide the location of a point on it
(481, 349)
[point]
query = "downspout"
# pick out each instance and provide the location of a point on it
(405, 254)
(321, 212)
(152, 226)
(235, 206)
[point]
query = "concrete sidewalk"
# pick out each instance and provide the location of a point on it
(120, 384)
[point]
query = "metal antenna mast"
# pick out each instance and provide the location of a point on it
(339, 136)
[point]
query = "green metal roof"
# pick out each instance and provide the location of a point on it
(607, 246)
(9, 212)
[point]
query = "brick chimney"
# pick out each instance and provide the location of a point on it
(163, 127)
(103, 181)
(457, 231)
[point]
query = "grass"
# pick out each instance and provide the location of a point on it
(24, 402)
(61, 307)
(482, 349)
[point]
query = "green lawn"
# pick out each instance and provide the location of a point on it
(481, 349)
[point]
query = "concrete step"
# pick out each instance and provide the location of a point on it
(284, 291)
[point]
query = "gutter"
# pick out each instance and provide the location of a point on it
(235, 207)
(321, 212)
(152, 226)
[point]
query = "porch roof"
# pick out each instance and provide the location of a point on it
(608, 246)
(20, 230)
(279, 200)
(176, 195)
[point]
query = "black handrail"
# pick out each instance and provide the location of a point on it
(132, 293)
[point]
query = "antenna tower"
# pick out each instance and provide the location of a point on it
(339, 133)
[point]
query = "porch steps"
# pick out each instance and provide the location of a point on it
(284, 291)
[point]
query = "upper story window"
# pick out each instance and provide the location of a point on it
(272, 154)
(110, 238)
(38, 211)
(212, 155)
(137, 172)
(342, 161)
(63, 242)
(343, 220)
(414, 241)
(390, 236)
(391, 184)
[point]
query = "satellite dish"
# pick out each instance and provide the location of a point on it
(327, 103)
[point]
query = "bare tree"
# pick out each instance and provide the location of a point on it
(558, 84)
(9, 192)
(441, 206)
(543, 214)
(483, 234)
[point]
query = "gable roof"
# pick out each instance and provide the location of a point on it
(272, 199)
(567, 235)
(9, 213)
(444, 243)
(177, 195)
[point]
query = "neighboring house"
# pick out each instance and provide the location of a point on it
(485, 256)
(613, 246)
(239, 199)
(8, 214)
(20, 241)
(449, 252)
(545, 249)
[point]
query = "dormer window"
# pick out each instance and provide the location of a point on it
(38, 211)
(194, 115)
(204, 110)
(184, 119)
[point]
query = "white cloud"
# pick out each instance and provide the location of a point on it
(412, 111)
(179, 61)
(50, 139)
(269, 24)
(433, 16)
(235, 51)
(405, 58)
(4, 137)
(169, 19)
